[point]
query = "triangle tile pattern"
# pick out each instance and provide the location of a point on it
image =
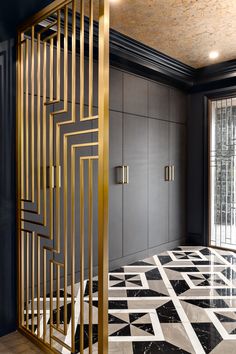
(150, 303)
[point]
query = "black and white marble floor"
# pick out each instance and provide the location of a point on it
(180, 301)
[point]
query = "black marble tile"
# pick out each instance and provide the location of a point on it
(95, 287)
(208, 303)
(136, 316)
(114, 305)
(167, 313)
(165, 259)
(206, 251)
(179, 286)
(153, 274)
(224, 318)
(86, 336)
(206, 263)
(230, 258)
(183, 269)
(208, 335)
(146, 327)
(125, 331)
(229, 273)
(226, 291)
(156, 347)
(112, 319)
(61, 315)
(141, 263)
(143, 293)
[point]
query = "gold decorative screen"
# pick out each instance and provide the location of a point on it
(62, 153)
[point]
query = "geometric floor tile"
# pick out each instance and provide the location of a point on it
(180, 301)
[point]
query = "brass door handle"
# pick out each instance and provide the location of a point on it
(167, 173)
(122, 174)
(172, 173)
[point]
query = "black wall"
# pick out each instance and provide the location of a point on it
(12, 13)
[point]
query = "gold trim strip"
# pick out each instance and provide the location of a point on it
(90, 247)
(81, 59)
(103, 176)
(32, 116)
(81, 256)
(91, 58)
(27, 119)
(32, 279)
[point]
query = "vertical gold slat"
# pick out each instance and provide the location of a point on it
(72, 246)
(58, 54)
(81, 256)
(32, 116)
(90, 246)
(51, 69)
(91, 59)
(65, 164)
(58, 193)
(27, 281)
(73, 173)
(58, 295)
(103, 176)
(38, 125)
(22, 278)
(81, 59)
(44, 293)
(20, 176)
(44, 157)
(32, 279)
(66, 58)
(20, 98)
(38, 286)
(73, 78)
(27, 119)
(51, 302)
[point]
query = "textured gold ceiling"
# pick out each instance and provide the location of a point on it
(186, 30)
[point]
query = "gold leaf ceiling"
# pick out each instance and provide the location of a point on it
(186, 30)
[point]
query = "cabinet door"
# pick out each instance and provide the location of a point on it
(158, 101)
(135, 193)
(178, 106)
(115, 192)
(177, 194)
(158, 187)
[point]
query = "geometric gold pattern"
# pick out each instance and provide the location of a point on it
(62, 172)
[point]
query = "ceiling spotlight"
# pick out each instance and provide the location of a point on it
(214, 54)
(114, 1)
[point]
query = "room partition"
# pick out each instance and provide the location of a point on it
(63, 176)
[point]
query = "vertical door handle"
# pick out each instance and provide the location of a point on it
(122, 174)
(172, 173)
(167, 173)
(126, 174)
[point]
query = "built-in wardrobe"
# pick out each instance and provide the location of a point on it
(147, 134)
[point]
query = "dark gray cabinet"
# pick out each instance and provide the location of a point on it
(147, 133)
(158, 101)
(178, 106)
(158, 191)
(177, 194)
(115, 191)
(135, 193)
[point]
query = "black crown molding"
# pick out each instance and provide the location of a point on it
(131, 55)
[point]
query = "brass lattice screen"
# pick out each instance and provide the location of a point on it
(62, 153)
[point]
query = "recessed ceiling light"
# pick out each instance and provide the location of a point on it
(114, 1)
(213, 54)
